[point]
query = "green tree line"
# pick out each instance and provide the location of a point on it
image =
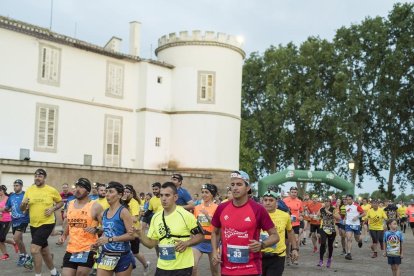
(318, 105)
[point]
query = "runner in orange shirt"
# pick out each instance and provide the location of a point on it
(315, 222)
(410, 214)
(296, 214)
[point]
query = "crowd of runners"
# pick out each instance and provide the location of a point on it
(105, 224)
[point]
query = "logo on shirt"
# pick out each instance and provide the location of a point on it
(247, 219)
(226, 217)
(230, 232)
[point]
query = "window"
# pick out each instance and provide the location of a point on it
(114, 80)
(113, 131)
(159, 79)
(46, 127)
(206, 86)
(158, 141)
(49, 64)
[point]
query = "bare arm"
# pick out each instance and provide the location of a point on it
(215, 241)
(190, 205)
(256, 246)
(150, 243)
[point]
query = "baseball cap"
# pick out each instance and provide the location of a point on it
(84, 183)
(41, 172)
(18, 181)
(241, 175)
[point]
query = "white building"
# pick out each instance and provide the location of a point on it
(67, 101)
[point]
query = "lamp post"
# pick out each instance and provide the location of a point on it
(351, 166)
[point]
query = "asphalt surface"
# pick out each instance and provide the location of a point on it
(362, 263)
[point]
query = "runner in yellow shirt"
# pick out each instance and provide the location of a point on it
(402, 210)
(131, 199)
(175, 230)
(42, 201)
(376, 217)
(365, 206)
(273, 258)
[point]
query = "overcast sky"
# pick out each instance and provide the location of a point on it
(260, 22)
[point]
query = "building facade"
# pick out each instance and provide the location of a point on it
(65, 102)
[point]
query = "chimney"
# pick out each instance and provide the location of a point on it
(114, 44)
(134, 38)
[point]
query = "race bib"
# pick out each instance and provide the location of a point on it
(167, 252)
(264, 236)
(202, 219)
(293, 218)
(80, 257)
(238, 254)
(108, 262)
(327, 230)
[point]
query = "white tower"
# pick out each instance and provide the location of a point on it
(206, 98)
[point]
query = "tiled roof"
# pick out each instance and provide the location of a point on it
(46, 34)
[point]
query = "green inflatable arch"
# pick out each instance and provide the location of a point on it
(305, 176)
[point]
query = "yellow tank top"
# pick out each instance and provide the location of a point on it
(78, 220)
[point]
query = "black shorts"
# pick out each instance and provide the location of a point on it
(394, 260)
(377, 236)
(89, 263)
(4, 229)
(296, 229)
(302, 224)
(273, 265)
(21, 228)
(178, 272)
(41, 234)
(412, 225)
(315, 228)
(135, 246)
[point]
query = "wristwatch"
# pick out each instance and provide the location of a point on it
(111, 239)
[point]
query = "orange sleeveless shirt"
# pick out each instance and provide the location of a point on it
(78, 220)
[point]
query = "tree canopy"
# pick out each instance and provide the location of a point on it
(320, 104)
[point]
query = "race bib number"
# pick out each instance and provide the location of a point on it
(327, 230)
(202, 219)
(293, 218)
(167, 252)
(238, 254)
(80, 257)
(108, 262)
(265, 236)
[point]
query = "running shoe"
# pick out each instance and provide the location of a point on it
(374, 255)
(366, 239)
(360, 244)
(320, 263)
(4, 257)
(328, 263)
(304, 241)
(343, 252)
(315, 249)
(57, 274)
(16, 248)
(336, 245)
(348, 256)
(28, 264)
(22, 259)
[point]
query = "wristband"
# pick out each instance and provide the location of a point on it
(262, 245)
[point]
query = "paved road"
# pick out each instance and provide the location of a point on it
(362, 264)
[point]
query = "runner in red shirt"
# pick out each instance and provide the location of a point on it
(237, 224)
(296, 214)
(313, 207)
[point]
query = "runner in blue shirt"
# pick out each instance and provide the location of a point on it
(184, 197)
(20, 220)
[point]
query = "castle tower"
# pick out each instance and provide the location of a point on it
(206, 98)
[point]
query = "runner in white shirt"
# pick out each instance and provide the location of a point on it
(354, 213)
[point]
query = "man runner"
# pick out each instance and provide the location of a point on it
(174, 230)
(376, 218)
(82, 218)
(352, 224)
(296, 212)
(315, 222)
(273, 258)
(184, 197)
(237, 224)
(20, 220)
(42, 201)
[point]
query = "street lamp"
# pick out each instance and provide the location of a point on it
(351, 164)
